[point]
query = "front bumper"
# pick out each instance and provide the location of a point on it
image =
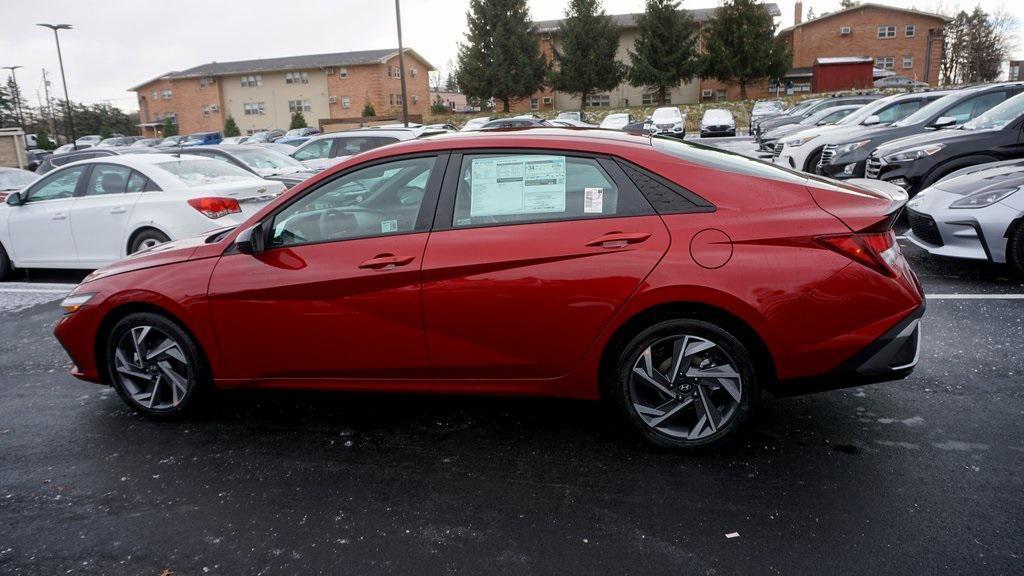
(710, 131)
(842, 170)
(973, 234)
(893, 356)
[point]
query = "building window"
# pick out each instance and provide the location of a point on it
(343, 73)
(546, 100)
(398, 99)
(173, 116)
(253, 108)
(205, 81)
(908, 62)
(707, 93)
(206, 110)
(534, 103)
(398, 72)
(346, 102)
(721, 94)
(886, 31)
(412, 72)
(252, 81)
(299, 106)
(166, 94)
(599, 100)
(885, 62)
(296, 78)
(156, 96)
(910, 31)
(649, 99)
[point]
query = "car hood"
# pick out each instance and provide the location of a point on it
(998, 175)
(931, 137)
(159, 255)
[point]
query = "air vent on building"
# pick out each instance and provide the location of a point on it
(332, 99)
(845, 31)
(214, 108)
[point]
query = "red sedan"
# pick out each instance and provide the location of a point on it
(672, 279)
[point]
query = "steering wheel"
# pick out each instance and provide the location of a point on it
(335, 223)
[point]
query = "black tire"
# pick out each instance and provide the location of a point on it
(145, 238)
(193, 368)
(811, 165)
(5, 264)
(1015, 249)
(624, 388)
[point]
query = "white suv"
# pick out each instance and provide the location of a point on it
(668, 121)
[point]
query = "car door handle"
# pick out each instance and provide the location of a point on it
(118, 210)
(619, 239)
(60, 216)
(386, 262)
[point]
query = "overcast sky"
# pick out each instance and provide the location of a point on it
(117, 44)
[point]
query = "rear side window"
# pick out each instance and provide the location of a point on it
(313, 150)
(973, 107)
(107, 179)
(522, 188)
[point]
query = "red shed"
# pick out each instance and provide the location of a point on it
(842, 73)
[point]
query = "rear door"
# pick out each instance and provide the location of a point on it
(40, 229)
(531, 255)
(102, 211)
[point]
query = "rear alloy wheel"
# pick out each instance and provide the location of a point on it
(686, 384)
(155, 366)
(147, 239)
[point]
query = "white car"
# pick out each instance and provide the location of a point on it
(616, 121)
(475, 123)
(803, 150)
(93, 212)
(668, 121)
(717, 122)
(326, 150)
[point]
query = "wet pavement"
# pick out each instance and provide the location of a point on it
(921, 476)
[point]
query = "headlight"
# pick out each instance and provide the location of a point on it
(75, 302)
(847, 148)
(914, 153)
(801, 141)
(982, 199)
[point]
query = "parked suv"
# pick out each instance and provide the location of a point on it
(203, 139)
(955, 109)
(768, 144)
(325, 150)
(916, 162)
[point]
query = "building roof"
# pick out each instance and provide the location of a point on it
(629, 20)
(844, 60)
(861, 7)
(284, 63)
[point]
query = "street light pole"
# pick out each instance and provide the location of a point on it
(17, 95)
(63, 79)
(401, 65)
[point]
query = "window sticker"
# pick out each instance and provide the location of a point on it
(593, 200)
(517, 185)
(387, 226)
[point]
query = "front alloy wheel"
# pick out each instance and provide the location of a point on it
(686, 384)
(154, 365)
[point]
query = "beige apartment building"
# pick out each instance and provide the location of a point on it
(263, 94)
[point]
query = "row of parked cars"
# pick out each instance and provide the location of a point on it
(958, 153)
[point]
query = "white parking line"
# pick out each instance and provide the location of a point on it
(974, 296)
(34, 290)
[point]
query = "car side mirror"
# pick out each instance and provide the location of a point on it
(251, 240)
(944, 122)
(821, 122)
(14, 199)
(872, 120)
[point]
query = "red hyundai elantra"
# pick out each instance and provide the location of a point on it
(673, 279)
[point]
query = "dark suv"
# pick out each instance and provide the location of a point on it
(850, 157)
(766, 126)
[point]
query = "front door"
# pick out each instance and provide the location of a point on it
(102, 211)
(40, 229)
(531, 256)
(336, 294)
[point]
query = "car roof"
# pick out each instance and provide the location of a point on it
(396, 132)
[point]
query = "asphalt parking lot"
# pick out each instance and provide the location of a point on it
(921, 476)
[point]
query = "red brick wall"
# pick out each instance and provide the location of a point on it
(187, 101)
(371, 83)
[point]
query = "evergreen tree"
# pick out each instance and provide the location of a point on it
(740, 45)
(438, 107)
(500, 59)
(844, 4)
(368, 110)
(665, 50)
(298, 121)
(231, 127)
(976, 46)
(43, 141)
(170, 128)
(104, 132)
(586, 59)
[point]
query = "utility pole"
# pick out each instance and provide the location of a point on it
(17, 94)
(49, 106)
(63, 79)
(401, 65)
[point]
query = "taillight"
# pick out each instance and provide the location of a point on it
(876, 250)
(215, 207)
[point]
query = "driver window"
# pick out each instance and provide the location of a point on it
(374, 201)
(56, 186)
(314, 150)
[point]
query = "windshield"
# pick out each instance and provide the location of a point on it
(15, 179)
(999, 116)
(795, 110)
(930, 110)
(766, 107)
(265, 161)
(203, 171)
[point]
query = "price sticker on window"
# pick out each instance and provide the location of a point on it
(593, 200)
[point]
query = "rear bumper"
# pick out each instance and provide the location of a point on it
(893, 356)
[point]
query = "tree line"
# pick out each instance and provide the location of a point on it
(501, 58)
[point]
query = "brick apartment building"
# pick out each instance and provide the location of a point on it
(900, 41)
(263, 94)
